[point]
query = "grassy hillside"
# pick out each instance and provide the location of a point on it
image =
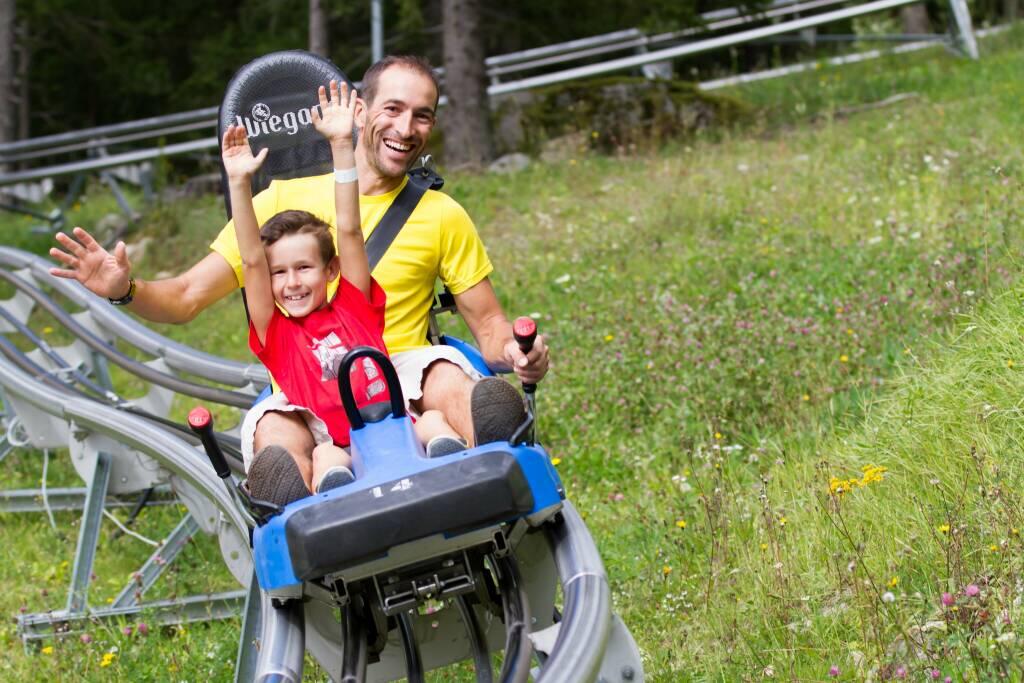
(741, 325)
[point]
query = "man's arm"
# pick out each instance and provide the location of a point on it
(479, 307)
(180, 299)
(174, 300)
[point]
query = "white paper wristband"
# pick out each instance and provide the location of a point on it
(346, 175)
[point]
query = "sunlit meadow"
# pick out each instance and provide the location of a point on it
(784, 391)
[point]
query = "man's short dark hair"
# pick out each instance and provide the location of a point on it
(299, 223)
(368, 88)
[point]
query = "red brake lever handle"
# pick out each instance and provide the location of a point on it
(524, 329)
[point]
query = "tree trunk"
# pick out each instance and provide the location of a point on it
(915, 19)
(318, 28)
(466, 121)
(1011, 9)
(6, 70)
(21, 78)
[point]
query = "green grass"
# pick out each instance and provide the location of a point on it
(735, 320)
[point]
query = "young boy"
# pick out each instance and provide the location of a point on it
(287, 264)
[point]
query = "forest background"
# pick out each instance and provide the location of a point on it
(72, 64)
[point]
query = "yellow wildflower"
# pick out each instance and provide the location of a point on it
(764, 546)
(805, 397)
(1009, 363)
(108, 659)
(681, 523)
(666, 570)
(609, 337)
(48, 650)
(556, 461)
(782, 520)
(943, 528)
(894, 581)
(844, 358)
(718, 436)
(994, 548)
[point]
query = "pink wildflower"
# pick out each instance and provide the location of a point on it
(833, 671)
(936, 673)
(85, 638)
(948, 600)
(127, 630)
(142, 628)
(972, 590)
(901, 672)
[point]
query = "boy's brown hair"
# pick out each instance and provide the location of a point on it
(299, 223)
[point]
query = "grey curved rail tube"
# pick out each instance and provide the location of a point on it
(177, 356)
(587, 615)
(96, 343)
(172, 453)
(282, 642)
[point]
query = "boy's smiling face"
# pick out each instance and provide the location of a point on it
(298, 275)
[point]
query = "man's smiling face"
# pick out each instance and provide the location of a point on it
(395, 126)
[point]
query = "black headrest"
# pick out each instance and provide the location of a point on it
(271, 96)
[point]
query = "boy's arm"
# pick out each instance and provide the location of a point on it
(239, 165)
(335, 124)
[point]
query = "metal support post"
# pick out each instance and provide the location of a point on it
(64, 499)
(964, 29)
(89, 534)
(225, 605)
(110, 181)
(248, 640)
(161, 558)
(376, 30)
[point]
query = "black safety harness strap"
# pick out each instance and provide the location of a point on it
(420, 180)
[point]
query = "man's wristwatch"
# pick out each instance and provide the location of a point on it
(127, 298)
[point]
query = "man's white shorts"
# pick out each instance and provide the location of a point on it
(409, 365)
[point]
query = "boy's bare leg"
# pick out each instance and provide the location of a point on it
(431, 424)
(291, 432)
(326, 456)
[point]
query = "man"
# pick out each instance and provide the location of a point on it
(395, 115)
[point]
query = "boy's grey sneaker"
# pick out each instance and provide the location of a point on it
(445, 445)
(339, 475)
(497, 410)
(275, 478)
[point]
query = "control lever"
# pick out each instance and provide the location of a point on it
(524, 329)
(201, 423)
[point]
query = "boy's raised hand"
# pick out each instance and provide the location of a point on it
(335, 123)
(239, 162)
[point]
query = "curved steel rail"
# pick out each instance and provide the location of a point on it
(94, 342)
(586, 617)
(178, 356)
(172, 453)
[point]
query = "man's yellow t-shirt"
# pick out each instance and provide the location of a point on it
(438, 241)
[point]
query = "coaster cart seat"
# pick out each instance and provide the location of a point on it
(429, 561)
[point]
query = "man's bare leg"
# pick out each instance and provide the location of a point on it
(490, 408)
(448, 389)
(291, 432)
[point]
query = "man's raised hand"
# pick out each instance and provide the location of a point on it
(239, 162)
(103, 273)
(335, 123)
